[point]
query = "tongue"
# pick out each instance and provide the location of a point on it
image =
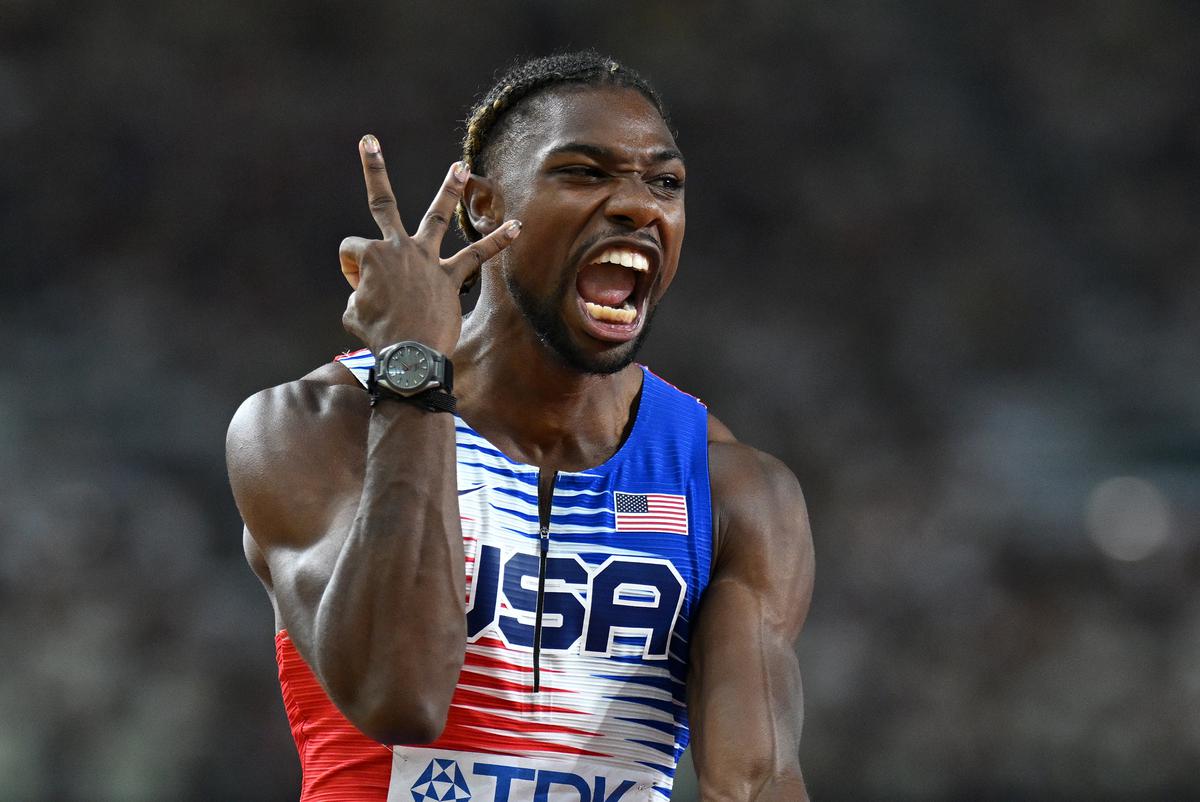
(607, 285)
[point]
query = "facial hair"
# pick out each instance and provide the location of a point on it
(546, 319)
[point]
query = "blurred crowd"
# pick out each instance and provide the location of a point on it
(943, 260)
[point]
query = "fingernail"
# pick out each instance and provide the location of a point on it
(461, 171)
(514, 228)
(370, 144)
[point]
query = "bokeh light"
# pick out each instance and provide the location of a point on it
(1128, 518)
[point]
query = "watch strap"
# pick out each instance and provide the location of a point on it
(435, 399)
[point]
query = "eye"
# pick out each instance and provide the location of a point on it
(581, 171)
(668, 181)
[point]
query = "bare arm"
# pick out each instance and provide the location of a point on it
(744, 694)
(353, 508)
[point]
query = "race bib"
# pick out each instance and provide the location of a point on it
(438, 775)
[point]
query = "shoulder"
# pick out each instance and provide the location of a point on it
(760, 519)
(327, 382)
(743, 476)
(281, 413)
(293, 437)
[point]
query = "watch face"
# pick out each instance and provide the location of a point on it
(408, 367)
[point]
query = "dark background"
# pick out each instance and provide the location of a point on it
(942, 260)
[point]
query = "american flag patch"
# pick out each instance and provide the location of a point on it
(651, 512)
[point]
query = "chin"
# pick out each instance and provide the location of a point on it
(608, 362)
(595, 356)
(548, 317)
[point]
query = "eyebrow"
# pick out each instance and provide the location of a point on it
(600, 153)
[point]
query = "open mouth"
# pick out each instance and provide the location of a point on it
(612, 288)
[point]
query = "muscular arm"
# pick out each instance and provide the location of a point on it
(353, 509)
(356, 516)
(744, 694)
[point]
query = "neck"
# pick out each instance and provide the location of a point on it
(521, 396)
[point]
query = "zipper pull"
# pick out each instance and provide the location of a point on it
(544, 536)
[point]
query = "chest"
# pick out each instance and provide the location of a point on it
(597, 565)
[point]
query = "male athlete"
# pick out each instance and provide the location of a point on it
(629, 566)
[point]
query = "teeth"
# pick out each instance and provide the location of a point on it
(608, 314)
(625, 258)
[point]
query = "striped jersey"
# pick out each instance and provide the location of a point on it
(573, 684)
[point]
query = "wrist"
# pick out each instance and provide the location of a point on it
(413, 371)
(435, 400)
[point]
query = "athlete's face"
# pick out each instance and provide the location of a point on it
(597, 180)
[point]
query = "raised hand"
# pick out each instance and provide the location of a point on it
(403, 289)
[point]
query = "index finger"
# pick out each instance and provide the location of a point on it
(379, 189)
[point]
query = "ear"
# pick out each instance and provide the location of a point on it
(484, 205)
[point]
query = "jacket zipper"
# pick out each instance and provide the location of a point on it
(545, 503)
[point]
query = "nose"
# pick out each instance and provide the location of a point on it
(632, 205)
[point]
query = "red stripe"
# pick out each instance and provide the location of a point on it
(679, 530)
(468, 740)
(491, 643)
(463, 696)
(634, 520)
(497, 644)
(650, 517)
(486, 661)
(470, 717)
(651, 527)
(486, 681)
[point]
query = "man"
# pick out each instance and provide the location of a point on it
(629, 564)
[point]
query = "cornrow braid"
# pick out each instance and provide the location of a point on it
(526, 79)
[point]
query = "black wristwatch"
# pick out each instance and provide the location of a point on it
(412, 371)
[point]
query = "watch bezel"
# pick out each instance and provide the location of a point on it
(435, 373)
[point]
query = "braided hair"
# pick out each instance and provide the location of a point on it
(486, 123)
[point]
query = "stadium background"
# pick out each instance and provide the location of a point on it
(942, 260)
